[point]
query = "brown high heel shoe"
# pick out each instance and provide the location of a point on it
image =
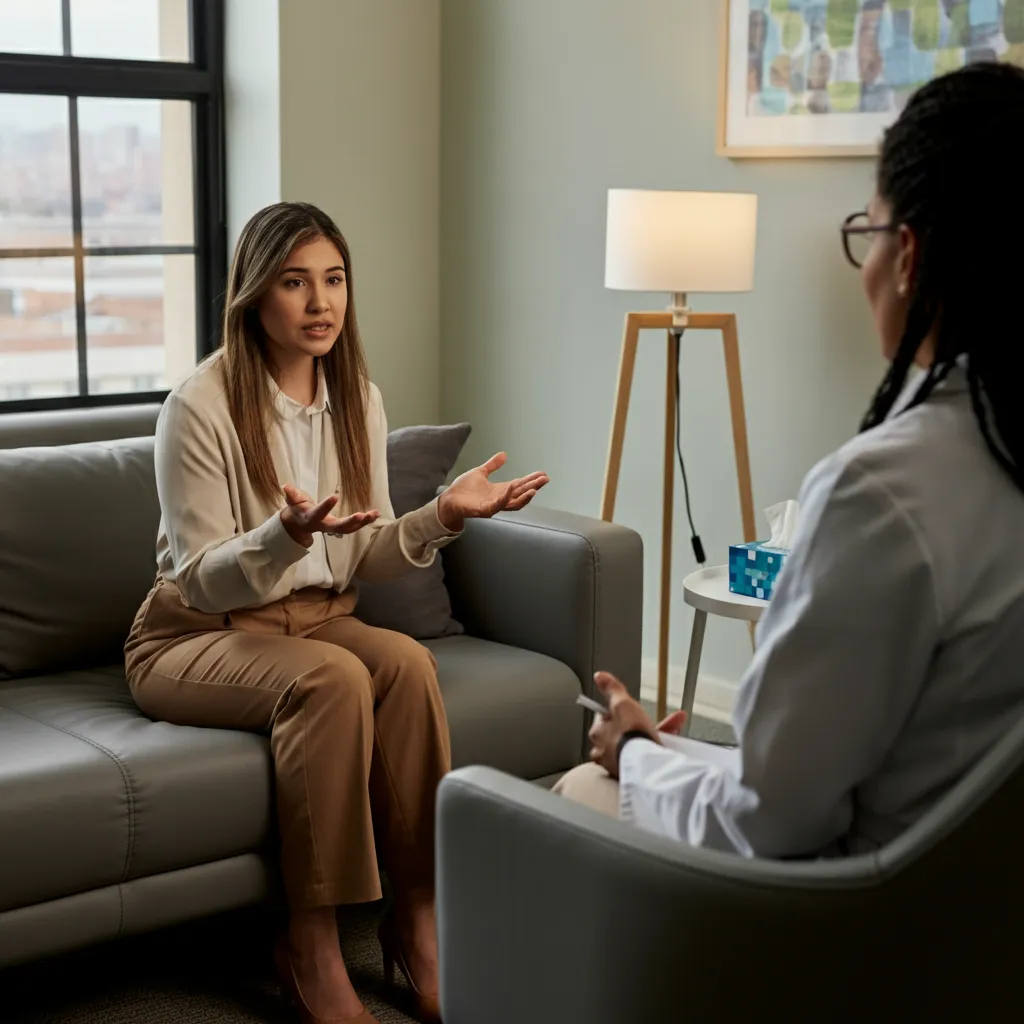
(428, 1007)
(285, 967)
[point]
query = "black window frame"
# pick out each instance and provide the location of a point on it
(201, 82)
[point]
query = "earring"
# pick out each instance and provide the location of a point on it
(901, 289)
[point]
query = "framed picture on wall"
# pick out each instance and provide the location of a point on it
(826, 77)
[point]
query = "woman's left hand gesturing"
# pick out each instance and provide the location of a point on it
(474, 496)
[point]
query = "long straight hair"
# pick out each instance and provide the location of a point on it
(260, 255)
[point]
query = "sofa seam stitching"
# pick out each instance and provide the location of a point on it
(129, 795)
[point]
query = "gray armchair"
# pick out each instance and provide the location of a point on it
(552, 913)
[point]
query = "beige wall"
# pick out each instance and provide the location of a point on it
(547, 104)
(252, 87)
(339, 105)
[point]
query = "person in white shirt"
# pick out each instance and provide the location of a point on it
(891, 656)
(271, 469)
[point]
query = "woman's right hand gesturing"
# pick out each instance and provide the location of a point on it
(302, 517)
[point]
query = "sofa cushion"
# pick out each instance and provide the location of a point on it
(419, 461)
(78, 529)
(62, 813)
(93, 793)
(508, 708)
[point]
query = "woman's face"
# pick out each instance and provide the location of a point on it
(303, 311)
(886, 275)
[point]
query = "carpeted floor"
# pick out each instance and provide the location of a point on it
(211, 972)
(215, 971)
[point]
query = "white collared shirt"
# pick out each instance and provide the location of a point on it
(888, 662)
(299, 430)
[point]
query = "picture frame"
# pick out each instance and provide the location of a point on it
(791, 91)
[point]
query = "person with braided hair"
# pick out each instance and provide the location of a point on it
(891, 657)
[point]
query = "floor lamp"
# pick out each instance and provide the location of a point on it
(678, 243)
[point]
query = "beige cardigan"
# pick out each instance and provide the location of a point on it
(225, 547)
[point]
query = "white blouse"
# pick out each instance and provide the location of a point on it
(299, 429)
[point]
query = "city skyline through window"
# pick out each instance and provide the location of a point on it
(104, 249)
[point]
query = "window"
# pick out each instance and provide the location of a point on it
(112, 238)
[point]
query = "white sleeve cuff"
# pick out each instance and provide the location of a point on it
(424, 534)
(632, 764)
(684, 798)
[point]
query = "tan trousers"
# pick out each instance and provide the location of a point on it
(357, 729)
(591, 785)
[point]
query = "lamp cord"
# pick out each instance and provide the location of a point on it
(695, 541)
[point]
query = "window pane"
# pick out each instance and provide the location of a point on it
(31, 27)
(38, 352)
(136, 167)
(131, 29)
(140, 321)
(35, 172)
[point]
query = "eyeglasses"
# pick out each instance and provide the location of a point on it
(859, 233)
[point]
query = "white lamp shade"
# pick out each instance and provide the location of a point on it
(680, 241)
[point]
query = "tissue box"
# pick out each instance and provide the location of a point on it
(753, 569)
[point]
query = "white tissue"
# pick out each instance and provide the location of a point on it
(783, 519)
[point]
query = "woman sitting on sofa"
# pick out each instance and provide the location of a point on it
(272, 476)
(891, 656)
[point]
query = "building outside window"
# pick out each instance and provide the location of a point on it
(112, 240)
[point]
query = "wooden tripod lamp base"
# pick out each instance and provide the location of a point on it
(635, 323)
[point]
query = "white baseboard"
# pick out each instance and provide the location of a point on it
(714, 698)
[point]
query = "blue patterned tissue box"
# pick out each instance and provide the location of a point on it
(753, 569)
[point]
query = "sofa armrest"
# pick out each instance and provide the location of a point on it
(551, 912)
(559, 584)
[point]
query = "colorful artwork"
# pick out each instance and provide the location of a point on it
(831, 74)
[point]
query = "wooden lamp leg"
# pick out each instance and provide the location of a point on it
(739, 435)
(739, 426)
(635, 322)
(671, 376)
(627, 361)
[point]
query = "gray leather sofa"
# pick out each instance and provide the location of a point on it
(111, 823)
(549, 912)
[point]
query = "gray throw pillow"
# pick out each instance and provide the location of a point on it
(419, 461)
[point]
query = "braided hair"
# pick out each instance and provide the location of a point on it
(951, 170)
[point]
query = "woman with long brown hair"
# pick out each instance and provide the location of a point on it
(272, 476)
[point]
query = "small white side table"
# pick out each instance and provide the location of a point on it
(707, 592)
